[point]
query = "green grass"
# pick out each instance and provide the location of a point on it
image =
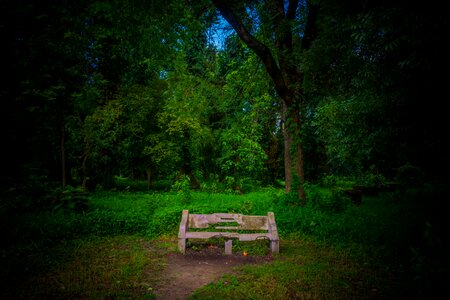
(304, 270)
(113, 267)
(389, 247)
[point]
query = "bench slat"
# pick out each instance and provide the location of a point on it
(244, 222)
(208, 235)
(228, 227)
(240, 236)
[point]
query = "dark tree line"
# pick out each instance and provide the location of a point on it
(300, 90)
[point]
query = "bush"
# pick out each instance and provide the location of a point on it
(183, 187)
(69, 199)
(410, 176)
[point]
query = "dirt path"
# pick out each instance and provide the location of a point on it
(186, 273)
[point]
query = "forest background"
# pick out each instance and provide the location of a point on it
(95, 92)
(104, 89)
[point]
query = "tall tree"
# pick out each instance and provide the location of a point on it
(128, 55)
(292, 30)
(44, 67)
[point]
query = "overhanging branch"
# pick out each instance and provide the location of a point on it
(259, 48)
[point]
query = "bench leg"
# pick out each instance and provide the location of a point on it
(228, 247)
(182, 245)
(275, 246)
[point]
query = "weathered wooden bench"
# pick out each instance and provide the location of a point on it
(252, 228)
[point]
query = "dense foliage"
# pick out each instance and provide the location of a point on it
(338, 99)
(101, 89)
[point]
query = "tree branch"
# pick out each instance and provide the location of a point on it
(292, 9)
(310, 28)
(284, 39)
(259, 48)
(282, 30)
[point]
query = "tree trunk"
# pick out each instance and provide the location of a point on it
(63, 155)
(287, 151)
(149, 178)
(293, 152)
(84, 158)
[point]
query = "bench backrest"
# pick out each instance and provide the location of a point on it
(238, 221)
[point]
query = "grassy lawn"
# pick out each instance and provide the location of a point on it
(99, 268)
(382, 249)
(304, 270)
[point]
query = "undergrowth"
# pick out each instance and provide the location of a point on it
(397, 233)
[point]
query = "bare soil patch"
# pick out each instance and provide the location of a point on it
(184, 274)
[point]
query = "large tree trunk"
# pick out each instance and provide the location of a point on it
(63, 156)
(84, 158)
(293, 152)
(149, 178)
(287, 161)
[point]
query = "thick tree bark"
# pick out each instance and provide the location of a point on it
(287, 151)
(84, 158)
(293, 151)
(149, 178)
(285, 76)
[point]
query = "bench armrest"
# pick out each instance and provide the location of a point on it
(273, 231)
(182, 231)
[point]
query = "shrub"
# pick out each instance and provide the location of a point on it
(409, 175)
(69, 199)
(183, 187)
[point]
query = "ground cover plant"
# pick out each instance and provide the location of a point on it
(390, 246)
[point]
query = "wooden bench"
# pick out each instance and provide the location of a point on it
(260, 227)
